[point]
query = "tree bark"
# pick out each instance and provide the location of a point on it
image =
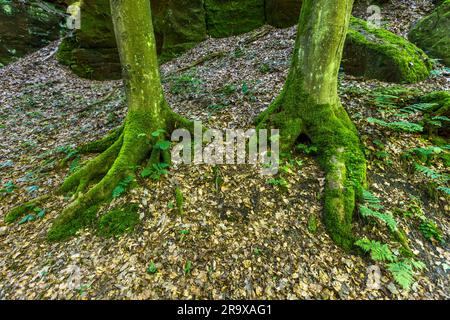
(126, 148)
(309, 104)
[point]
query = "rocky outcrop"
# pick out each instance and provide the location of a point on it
(225, 18)
(26, 27)
(432, 33)
(376, 53)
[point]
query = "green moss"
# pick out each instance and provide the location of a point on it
(66, 226)
(179, 200)
(119, 221)
(432, 33)
(380, 54)
(225, 18)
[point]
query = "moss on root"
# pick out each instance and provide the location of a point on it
(119, 221)
(339, 150)
(65, 226)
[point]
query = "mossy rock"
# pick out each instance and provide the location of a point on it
(283, 13)
(92, 53)
(225, 18)
(179, 25)
(376, 53)
(26, 27)
(432, 33)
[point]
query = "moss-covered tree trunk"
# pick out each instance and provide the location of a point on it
(309, 104)
(148, 112)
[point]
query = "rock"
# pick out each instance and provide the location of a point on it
(225, 18)
(92, 53)
(376, 53)
(432, 33)
(26, 27)
(282, 13)
(179, 25)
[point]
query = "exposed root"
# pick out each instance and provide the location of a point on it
(340, 155)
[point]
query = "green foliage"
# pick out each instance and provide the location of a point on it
(119, 221)
(8, 187)
(155, 171)
(313, 224)
(377, 250)
(385, 217)
(187, 267)
(122, 186)
(371, 200)
(431, 231)
(307, 149)
(418, 107)
(186, 83)
(397, 125)
(403, 271)
(428, 172)
(446, 190)
(152, 269)
(179, 200)
(277, 182)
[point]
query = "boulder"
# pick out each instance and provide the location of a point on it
(432, 33)
(26, 27)
(225, 18)
(92, 53)
(282, 13)
(376, 53)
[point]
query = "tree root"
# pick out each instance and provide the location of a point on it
(95, 182)
(340, 155)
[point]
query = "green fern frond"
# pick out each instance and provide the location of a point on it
(431, 231)
(378, 251)
(419, 107)
(444, 189)
(403, 271)
(386, 218)
(371, 200)
(428, 172)
(398, 125)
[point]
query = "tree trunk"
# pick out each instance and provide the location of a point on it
(309, 104)
(127, 147)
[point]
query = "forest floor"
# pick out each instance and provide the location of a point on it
(242, 238)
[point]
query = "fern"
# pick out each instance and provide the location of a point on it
(403, 271)
(428, 172)
(431, 231)
(386, 218)
(398, 125)
(377, 250)
(419, 107)
(444, 189)
(371, 200)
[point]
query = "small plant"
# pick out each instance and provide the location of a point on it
(122, 186)
(187, 83)
(428, 172)
(378, 251)
(155, 171)
(278, 182)
(307, 149)
(313, 224)
(152, 269)
(431, 231)
(398, 125)
(179, 200)
(187, 267)
(8, 187)
(403, 271)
